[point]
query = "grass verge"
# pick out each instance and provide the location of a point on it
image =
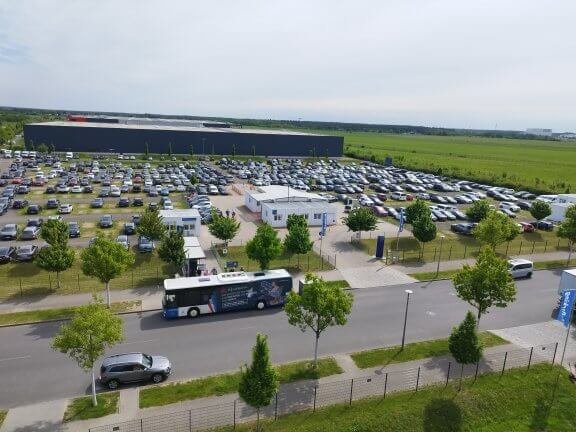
(415, 351)
(228, 383)
(82, 409)
(3, 415)
(60, 313)
(517, 401)
(338, 284)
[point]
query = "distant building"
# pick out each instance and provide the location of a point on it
(185, 221)
(254, 198)
(539, 132)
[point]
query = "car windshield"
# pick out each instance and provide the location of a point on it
(147, 360)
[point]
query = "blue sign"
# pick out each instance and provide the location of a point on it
(566, 307)
(324, 224)
(401, 227)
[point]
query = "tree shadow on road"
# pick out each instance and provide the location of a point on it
(442, 415)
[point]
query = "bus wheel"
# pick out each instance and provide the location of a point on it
(260, 305)
(193, 312)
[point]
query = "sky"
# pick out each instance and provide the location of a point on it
(486, 64)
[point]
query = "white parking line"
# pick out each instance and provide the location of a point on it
(15, 358)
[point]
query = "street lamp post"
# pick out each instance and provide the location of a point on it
(442, 237)
(408, 292)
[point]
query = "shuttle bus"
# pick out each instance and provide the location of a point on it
(194, 296)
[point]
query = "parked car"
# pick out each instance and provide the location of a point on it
(97, 203)
(133, 367)
(25, 253)
(30, 233)
(33, 209)
(65, 208)
(106, 221)
(526, 227)
(463, 228)
(145, 244)
(124, 202)
(543, 225)
(6, 254)
(129, 228)
(137, 202)
(520, 268)
(52, 203)
(74, 229)
(379, 211)
(20, 204)
(9, 232)
(123, 240)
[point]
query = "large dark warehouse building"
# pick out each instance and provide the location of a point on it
(138, 135)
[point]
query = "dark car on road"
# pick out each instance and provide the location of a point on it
(9, 232)
(124, 202)
(25, 253)
(20, 204)
(33, 209)
(133, 367)
(543, 225)
(106, 221)
(137, 202)
(6, 254)
(463, 228)
(52, 203)
(73, 229)
(97, 203)
(145, 244)
(129, 228)
(30, 233)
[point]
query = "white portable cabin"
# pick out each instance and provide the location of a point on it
(186, 221)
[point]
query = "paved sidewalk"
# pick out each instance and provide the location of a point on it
(45, 417)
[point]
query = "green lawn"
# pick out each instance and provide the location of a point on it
(517, 401)
(228, 383)
(3, 415)
(308, 262)
(338, 284)
(534, 164)
(415, 351)
(82, 409)
(60, 313)
(18, 279)
(455, 247)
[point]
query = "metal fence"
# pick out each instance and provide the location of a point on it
(309, 395)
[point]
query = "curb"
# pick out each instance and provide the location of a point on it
(68, 319)
(442, 279)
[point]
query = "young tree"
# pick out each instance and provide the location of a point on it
(567, 229)
(55, 233)
(485, 284)
(265, 246)
(295, 219)
(540, 210)
(259, 381)
(86, 337)
(151, 225)
(223, 228)
(105, 260)
(146, 149)
(171, 249)
(478, 210)
(424, 230)
(55, 259)
(360, 219)
(464, 344)
(496, 228)
(43, 148)
(418, 209)
(318, 307)
(297, 241)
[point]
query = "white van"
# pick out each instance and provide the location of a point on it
(520, 268)
(398, 196)
(69, 155)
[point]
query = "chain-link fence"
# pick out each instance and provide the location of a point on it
(309, 395)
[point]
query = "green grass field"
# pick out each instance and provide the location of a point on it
(538, 165)
(21, 279)
(415, 351)
(228, 383)
(2, 416)
(82, 409)
(517, 401)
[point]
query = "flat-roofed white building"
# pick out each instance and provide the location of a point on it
(560, 205)
(276, 213)
(185, 221)
(253, 199)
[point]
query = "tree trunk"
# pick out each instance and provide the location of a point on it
(94, 400)
(257, 419)
(316, 350)
(478, 316)
(57, 280)
(108, 294)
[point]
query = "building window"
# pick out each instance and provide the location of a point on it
(317, 216)
(306, 216)
(277, 217)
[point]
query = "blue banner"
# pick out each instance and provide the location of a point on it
(324, 224)
(401, 227)
(566, 306)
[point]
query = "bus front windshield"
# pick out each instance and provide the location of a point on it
(169, 300)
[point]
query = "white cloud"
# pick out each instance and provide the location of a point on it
(433, 62)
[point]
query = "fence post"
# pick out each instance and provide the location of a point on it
(308, 262)
(545, 245)
(555, 349)
(434, 259)
(141, 425)
(520, 248)
(78, 280)
(50, 281)
(234, 420)
(403, 255)
(450, 253)
(21, 292)
(351, 389)
(385, 384)
(132, 278)
(558, 244)
(448, 372)
(533, 246)
(504, 363)
(507, 247)
(315, 390)
(276, 407)
(465, 247)
(476, 372)
(530, 358)
(418, 378)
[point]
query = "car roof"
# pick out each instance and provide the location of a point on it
(122, 358)
(519, 261)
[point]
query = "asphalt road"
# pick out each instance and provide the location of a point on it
(31, 372)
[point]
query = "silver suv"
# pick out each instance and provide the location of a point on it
(133, 367)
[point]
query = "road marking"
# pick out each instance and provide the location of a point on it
(246, 328)
(137, 342)
(15, 358)
(431, 313)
